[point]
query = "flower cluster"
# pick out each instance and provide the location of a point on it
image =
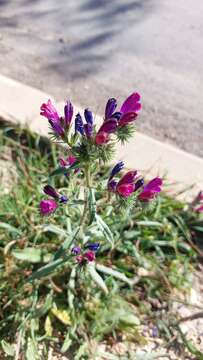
(86, 255)
(87, 147)
(131, 183)
(113, 122)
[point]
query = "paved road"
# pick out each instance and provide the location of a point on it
(92, 49)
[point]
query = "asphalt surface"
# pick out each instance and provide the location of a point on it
(89, 50)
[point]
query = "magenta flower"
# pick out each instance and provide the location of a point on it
(68, 113)
(89, 256)
(129, 110)
(151, 189)
(108, 127)
(199, 209)
(49, 111)
(126, 185)
(48, 206)
(131, 104)
(68, 162)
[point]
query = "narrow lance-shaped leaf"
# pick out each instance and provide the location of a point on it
(97, 278)
(105, 229)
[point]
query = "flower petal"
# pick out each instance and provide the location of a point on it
(125, 189)
(130, 104)
(128, 178)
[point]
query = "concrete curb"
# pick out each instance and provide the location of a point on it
(20, 104)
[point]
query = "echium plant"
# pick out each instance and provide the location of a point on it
(86, 149)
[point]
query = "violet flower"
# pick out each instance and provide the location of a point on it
(79, 127)
(48, 206)
(88, 116)
(76, 250)
(49, 190)
(93, 246)
(57, 127)
(49, 111)
(88, 127)
(151, 189)
(116, 169)
(110, 108)
(68, 113)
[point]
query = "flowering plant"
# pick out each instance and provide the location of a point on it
(86, 149)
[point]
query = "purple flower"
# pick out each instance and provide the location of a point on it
(116, 115)
(139, 183)
(79, 127)
(63, 199)
(68, 113)
(116, 169)
(47, 206)
(76, 250)
(49, 111)
(56, 126)
(88, 130)
(110, 108)
(112, 185)
(151, 189)
(131, 104)
(88, 116)
(93, 246)
(49, 190)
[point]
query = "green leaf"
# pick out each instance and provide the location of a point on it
(31, 255)
(142, 355)
(130, 319)
(105, 229)
(116, 274)
(7, 348)
(31, 351)
(42, 310)
(54, 229)
(10, 228)
(96, 277)
(47, 269)
(149, 223)
(67, 343)
(71, 287)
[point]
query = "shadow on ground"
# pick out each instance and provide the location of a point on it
(74, 37)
